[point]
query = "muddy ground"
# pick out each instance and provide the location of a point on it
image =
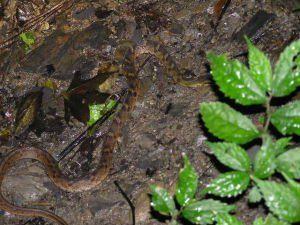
(165, 122)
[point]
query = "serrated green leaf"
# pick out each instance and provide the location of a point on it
(289, 163)
(226, 123)
(264, 165)
(269, 220)
(287, 118)
(297, 60)
(260, 67)
(235, 81)
(281, 199)
(205, 211)
(259, 221)
(228, 184)
(254, 195)
(187, 183)
(293, 184)
(231, 155)
(261, 119)
(281, 144)
(226, 219)
(161, 201)
(287, 71)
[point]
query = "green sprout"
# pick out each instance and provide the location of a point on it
(28, 39)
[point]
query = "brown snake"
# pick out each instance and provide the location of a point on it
(100, 173)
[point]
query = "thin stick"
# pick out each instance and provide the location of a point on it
(132, 207)
(84, 134)
(32, 24)
(90, 129)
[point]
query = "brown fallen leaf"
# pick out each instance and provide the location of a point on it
(27, 111)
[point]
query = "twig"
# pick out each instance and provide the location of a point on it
(85, 133)
(268, 113)
(72, 145)
(32, 24)
(132, 207)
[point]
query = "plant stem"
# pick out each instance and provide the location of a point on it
(173, 222)
(268, 113)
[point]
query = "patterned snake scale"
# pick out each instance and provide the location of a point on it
(94, 178)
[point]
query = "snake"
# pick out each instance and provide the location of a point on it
(127, 52)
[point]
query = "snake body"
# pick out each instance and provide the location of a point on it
(94, 178)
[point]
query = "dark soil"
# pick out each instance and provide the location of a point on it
(165, 122)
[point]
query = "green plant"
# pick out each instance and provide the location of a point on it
(256, 85)
(28, 39)
(98, 110)
(203, 211)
